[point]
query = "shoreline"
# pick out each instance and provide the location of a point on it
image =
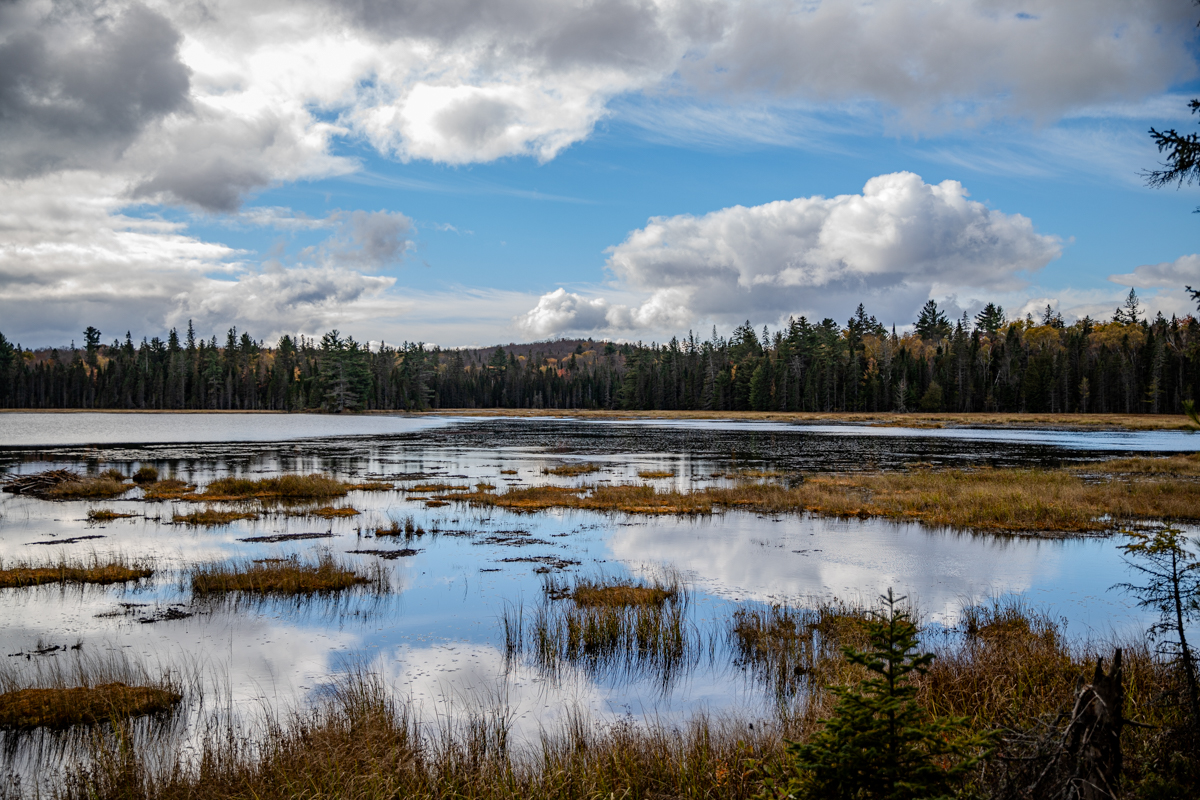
(916, 420)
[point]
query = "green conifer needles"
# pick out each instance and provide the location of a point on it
(879, 742)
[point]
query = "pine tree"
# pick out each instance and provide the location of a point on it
(932, 323)
(879, 744)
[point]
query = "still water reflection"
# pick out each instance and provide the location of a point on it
(436, 634)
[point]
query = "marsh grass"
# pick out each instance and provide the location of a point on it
(794, 650)
(145, 475)
(211, 517)
(285, 576)
(67, 571)
(282, 487)
(108, 484)
(572, 470)
(106, 515)
(434, 488)
(167, 489)
(1005, 500)
(606, 626)
(327, 512)
(406, 527)
(655, 473)
(66, 691)
(360, 741)
(1188, 464)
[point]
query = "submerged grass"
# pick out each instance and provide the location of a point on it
(64, 571)
(327, 512)
(607, 626)
(106, 515)
(288, 576)
(656, 473)
(211, 517)
(1012, 500)
(571, 470)
(167, 489)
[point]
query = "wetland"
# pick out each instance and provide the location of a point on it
(489, 600)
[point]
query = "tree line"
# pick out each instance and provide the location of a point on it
(1127, 364)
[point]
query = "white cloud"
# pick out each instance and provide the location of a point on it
(1184, 270)
(897, 243)
(940, 64)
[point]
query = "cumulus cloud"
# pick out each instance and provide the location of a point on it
(1183, 271)
(897, 243)
(938, 63)
(78, 84)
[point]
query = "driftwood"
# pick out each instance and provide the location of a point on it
(40, 483)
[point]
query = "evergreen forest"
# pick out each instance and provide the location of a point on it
(1126, 364)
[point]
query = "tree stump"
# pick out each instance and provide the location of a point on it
(1092, 743)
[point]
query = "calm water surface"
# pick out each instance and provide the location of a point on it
(436, 635)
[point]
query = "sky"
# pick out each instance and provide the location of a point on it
(475, 172)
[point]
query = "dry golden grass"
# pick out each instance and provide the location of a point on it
(145, 475)
(211, 517)
(656, 473)
(106, 515)
(276, 576)
(57, 708)
(425, 488)
(167, 489)
(624, 593)
(283, 487)
(93, 487)
(1146, 465)
(328, 512)
(508, 472)
(1012, 500)
(371, 486)
(1137, 422)
(571, 470)
(364, 743)
(64, 571)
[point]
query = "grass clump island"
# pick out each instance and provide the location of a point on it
(1003, 500)
(106, 515)
(289, 576)
(71, 571)
(572, 470)
(58, 708)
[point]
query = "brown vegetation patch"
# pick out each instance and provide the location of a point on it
(106, 515)
(571, 470)
(167, 489)
(25, 709)
(93, 487)
(371, 486)
(283, 487)
(436, 503)
(599, 593)
(508, 472)
(275, 576)
(656, 473)
(25, 574)
(426, 488)
(1149, 465)
(329, 512)
(211, 517)
(1011, 500)
(145, 475)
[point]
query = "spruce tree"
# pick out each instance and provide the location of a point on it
(879, 743)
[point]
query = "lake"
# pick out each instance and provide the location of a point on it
(436, 634)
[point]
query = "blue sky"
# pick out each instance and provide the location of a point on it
(468, 174)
